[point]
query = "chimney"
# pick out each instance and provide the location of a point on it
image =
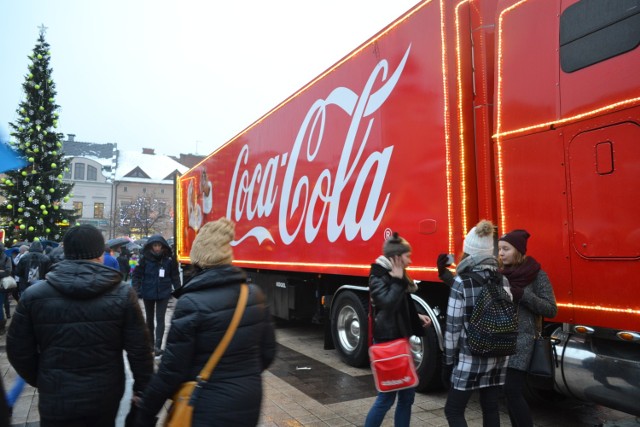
(71, 137)
(148, 151)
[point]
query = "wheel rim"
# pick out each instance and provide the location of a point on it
(417, 348)
(348, 329)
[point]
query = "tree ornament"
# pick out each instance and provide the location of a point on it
(52, 190)
(53, 166)
(24, 173)
(39, 56)
(45, 212)
(41, 108)
(43, 207)
(33, 172)
(31, 228)
(66, 199)
(56, 207)
(27, 119)
(31, 159)
(51, 99)
(9, 206)
(20, 210)
(48, 230)
(22, 110)
(37, 87)
(22, 227)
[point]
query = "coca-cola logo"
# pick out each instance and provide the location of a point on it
(308, 203)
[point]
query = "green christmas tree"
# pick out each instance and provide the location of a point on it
(34, 195)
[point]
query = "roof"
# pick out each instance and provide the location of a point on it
(101, 153)
(157, 167)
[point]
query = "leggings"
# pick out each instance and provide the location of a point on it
(156, 330)
(457, 403)
(519, 411)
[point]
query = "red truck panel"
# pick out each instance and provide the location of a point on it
(365, 149)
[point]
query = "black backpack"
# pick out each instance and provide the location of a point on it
(493, 323)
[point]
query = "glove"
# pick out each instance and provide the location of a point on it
(447, 371)
(443, 272)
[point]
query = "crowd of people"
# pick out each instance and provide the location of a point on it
(79, 308)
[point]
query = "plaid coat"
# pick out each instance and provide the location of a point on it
(470, 372)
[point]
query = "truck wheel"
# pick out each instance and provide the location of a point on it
(349, 328)
(426, 354)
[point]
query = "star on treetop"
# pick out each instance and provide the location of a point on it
(43, 29)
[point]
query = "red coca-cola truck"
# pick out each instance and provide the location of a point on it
(523, 112)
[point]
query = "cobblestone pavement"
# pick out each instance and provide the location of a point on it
(310, 386)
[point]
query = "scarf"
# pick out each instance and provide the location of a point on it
(386, 263)
(521, 276)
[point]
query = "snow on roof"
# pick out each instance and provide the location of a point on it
(157, 166)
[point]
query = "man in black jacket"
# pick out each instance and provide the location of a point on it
(32, 266)
(68, 335)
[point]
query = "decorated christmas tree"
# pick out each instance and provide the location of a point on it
(34, 195)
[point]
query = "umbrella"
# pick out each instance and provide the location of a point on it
(118, 241)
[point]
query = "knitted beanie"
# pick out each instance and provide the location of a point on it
(518, 239)
(83, 242)
(479, 241)
(395, 245)
(212, 245)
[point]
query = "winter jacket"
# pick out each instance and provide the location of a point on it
(395, 315)
(67, 339)
(205, 305)
(538, 299)
(32, 259)
(470, 372)
(156, 274)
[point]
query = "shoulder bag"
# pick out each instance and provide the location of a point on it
(542, 364)
(181, 411)
(392, 365)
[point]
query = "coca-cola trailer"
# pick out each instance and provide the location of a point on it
(524, 112)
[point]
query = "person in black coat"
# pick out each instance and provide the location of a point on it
(33, 261)
(156, 273)
(68, 334)
(395, 316)
(233, 394)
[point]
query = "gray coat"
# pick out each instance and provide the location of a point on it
(538, 299)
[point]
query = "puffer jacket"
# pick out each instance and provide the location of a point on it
(205, 305)
(395, 315)
(67, 337)
(156, 274)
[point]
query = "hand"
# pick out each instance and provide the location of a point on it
(447, 371)
(443, 261)
(397, 269)
(425, 320)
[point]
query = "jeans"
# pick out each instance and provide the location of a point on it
(519, 411)
(384, 401)
(156, 330)
(457, 403)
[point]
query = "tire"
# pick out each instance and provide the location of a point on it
(428, 358)
(349, 328)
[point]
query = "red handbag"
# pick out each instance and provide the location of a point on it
(392, 365)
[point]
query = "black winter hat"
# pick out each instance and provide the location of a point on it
(35, 247)
(518, 239)
(83, 242)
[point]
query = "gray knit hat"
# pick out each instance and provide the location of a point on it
(395, 245)
(212, 245)
(479, 240)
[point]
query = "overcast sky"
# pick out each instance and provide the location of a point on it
(181, 76)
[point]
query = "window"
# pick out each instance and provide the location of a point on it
(124, 190)
(144, 190)
(98, 209)
(593, 31)
(78, 171)
(92, 173)
(77, 206)
(162, 191)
